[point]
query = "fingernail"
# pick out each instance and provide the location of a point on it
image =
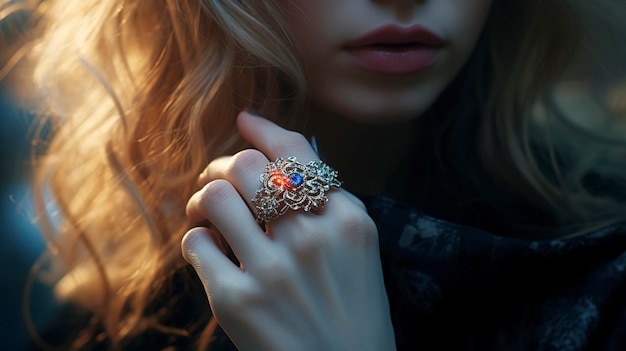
(254, 112)
(314, 145)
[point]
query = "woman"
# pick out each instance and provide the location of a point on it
(480, 208)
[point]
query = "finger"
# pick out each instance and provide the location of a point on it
(242, 170)
(222, 205)
(272, 140)
(205, 177)
(202, 252)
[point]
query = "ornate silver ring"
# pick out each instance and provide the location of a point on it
(289, 184)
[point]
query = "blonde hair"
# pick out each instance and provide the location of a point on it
(144, 94)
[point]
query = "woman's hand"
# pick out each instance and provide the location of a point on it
(312, 282)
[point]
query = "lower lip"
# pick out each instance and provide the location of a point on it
(393, 61)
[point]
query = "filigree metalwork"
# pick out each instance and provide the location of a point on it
(289, 184)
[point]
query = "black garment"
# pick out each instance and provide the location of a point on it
(454, 287)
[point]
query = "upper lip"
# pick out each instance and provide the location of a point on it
(397, 35)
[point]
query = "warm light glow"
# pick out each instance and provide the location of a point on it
(279, 181)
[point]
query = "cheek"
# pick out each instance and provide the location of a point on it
(305, 19)
(312, 26)
(466, 20)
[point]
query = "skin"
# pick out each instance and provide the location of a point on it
(320, 29)
(303, 282)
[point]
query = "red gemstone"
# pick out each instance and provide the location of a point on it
(279, 181)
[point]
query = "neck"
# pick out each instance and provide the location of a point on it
(364, 154)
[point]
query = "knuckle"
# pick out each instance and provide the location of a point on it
(216, 191)
(357, 227)
(248, 160)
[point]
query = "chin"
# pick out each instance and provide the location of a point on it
(376, 106)
(373, 112)
(383, 117)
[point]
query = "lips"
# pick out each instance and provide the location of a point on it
(394, 34)
(395, 50)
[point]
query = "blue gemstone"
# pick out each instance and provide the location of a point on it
(296, 179)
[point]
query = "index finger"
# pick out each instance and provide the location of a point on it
(273, 140)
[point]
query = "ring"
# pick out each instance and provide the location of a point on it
(289, 184)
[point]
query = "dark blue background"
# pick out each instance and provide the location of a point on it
(20, 243)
